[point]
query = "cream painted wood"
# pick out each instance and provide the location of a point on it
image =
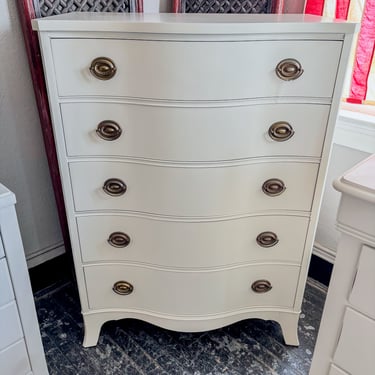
(363, 292)
(344, 332)
(10, 326)
(356, 341)
(174, 132)
(183, 69)
(336, 371)
(18, 318)
(14, 360)
(171, 291)
(192, 244)
(2, 255)
(223, 70)
(6, 289)
(192, 190)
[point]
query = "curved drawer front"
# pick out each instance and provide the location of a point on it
(192, 134)
(190, 293)
(192, 244)
(195, 70)
(192, 191)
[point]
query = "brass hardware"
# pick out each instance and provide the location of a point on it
(289, 69)
(281, 131)
(108, 130)
(114, 187)
(123, 288)
(267, 239)
(103, 68)
(261, 286)
(118, 239)
(273, 187)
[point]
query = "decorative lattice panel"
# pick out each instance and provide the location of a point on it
(46, 8)
(226, 6)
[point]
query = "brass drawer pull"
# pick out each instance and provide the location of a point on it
(108, 130)
(118, 239)
(267, 239)
(261, 286)
(289, 69)
(273, 187)
(114, 187)
(281, 131)
(103, 68)
(123, 288)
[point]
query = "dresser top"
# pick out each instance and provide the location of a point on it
(192, 23)
(359, 181)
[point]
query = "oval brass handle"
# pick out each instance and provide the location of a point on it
(118, 239)
(108, 130)
(281, 131)
(123, 288)
(103, 68)
(273, 187)
(267, 239)
(261, 286)
(289, 69)
(114, 187)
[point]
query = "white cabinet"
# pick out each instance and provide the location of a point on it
(21, 350)
(346, 340)
(193, 152)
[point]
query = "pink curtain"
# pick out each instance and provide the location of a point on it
(364, 56)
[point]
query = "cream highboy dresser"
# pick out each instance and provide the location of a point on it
(193, 152)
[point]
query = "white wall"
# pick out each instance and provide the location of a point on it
(23, 165)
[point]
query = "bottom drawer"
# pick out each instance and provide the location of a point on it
(10, 326)
(14, 360)
(355, 350)
(197, 292)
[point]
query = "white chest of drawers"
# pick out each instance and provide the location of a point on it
(21, 350)
(193, 151)
(346, 340)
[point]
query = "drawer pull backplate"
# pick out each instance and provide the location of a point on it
(267, 239)
(118, 239)
(261, 286)
(289, 69)
(114, 187)
(273, 187)
(122, 288)
(280, 131)
(108, 130)
(103, 68)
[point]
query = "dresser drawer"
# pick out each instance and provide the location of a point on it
(14, 360)
(192, 191)
(193, 134)
(191, 244)
(6, 288)
(362, 296)
(357, 340)
(10, 326)
(190, 293)
(194, 70)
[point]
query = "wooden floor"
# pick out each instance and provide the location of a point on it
(133, 347)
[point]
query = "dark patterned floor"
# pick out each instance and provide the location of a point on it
(133, 347)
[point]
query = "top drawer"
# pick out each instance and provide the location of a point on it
(195, 70)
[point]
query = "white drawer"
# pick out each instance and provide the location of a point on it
(192, 191)
(195, 70)
(14, 360)
(193, 134)
(6, 288)
(357, 341)
(336, 371)
(191, 244)
(10, 326)
(362, 296)
(190, 293)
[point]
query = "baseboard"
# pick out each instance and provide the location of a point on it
(56, 270)
(45, 254)
(320, 269)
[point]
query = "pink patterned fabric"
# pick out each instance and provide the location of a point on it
(342, 8)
